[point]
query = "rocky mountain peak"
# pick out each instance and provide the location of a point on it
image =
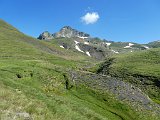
(67, 27)
(65, 32)
(45, 36)
(69, 32)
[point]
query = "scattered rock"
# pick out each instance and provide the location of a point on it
(11, 115)
(122, 90)
(19, 75)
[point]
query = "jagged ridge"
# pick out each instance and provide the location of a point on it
(66, 32)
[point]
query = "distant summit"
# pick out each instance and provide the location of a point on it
(154, 44)
(45, 36)
(69, 32)
(65, 32)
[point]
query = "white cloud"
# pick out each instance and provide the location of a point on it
(90, 18)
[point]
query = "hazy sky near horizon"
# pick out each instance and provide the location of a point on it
(117, 20)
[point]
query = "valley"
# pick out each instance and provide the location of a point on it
(69, 75)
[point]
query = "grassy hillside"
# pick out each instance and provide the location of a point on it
(39, 89)
(35, 84)
(140, 68)
(13, 41)
(155, 44)
(144, 63)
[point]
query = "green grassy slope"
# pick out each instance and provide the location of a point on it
(140, 68)
(34, 83)
(155, 44)
(13, 41)
(144, 63)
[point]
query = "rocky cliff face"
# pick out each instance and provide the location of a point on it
(65, 32)
(69, 32)
(45, 36)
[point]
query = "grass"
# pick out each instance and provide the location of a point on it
(47, 86)
(140, 68)
(44, 95)
(144, 63)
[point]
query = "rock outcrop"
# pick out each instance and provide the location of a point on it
(45, 36)
(123, 91)
(65, 32)
(69, 32)
(93, 51)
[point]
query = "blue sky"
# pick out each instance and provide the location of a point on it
(117, 20)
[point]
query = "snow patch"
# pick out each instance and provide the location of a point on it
(146, 47)
(76, 42)
(129, 46)
(87, 43)
(83, 37)
(108, 44)
(88, 54)
(115, 51)
(78, 48)
(61, 46)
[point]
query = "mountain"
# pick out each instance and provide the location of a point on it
(69, 32)
(114, 47)
(94, 47)
(54, 79)
(71, 39)
(154, 44)
(65, 32)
